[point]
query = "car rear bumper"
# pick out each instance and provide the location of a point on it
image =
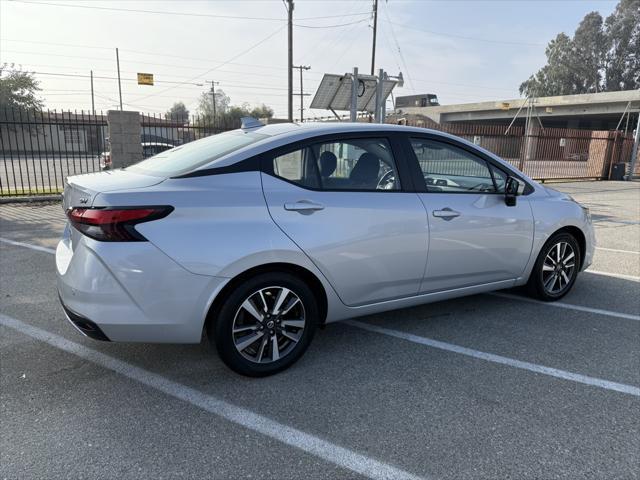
(131, 291)
(85, 326)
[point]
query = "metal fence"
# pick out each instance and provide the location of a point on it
(174, 131)
(547, 153)
(39, 149)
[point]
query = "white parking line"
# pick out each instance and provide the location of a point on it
(569, 306)
(340, 456)
(617, 250)
(27, 245)
(490, 357)
(633, 278)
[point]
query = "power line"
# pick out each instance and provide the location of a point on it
(331, 26)
(230, 60)
(182, 14)
(463, 37)
(139, 62)
(393, 34)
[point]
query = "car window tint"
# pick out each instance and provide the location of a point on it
(447, 168)
(357, 164)
(354, 164)
(500, 178)
(298, 167)
(190, 156)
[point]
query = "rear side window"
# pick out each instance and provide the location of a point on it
(354, 164)
(190, 156)
(449, 169)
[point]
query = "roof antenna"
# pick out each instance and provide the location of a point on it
(250, 122)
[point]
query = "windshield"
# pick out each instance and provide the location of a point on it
(190, 156)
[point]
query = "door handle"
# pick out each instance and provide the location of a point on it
(303, 206)
(446, 213)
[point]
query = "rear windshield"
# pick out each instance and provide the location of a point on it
(190, 156)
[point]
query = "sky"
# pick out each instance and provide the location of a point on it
(462, 50)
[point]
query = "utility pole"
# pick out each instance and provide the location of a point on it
(302, 94)
(290, 63)
(375, 30)
(354, 95)
(379, 118)
(93, 104)
(634, 153)
(119, 83)
(213, 100)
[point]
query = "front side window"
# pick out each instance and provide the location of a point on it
(354, 164)
(447, 168)
(500, 178)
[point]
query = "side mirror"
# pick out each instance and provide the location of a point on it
(512, 189)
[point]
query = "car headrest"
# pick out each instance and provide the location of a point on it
(365, 172)
(328, 164)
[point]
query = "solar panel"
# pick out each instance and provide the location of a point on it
(334, 92)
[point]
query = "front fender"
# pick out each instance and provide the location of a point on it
(552, 214)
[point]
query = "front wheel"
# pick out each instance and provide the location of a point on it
(556, 268)
(265, 325)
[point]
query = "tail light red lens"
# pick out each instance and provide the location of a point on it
(115, 224)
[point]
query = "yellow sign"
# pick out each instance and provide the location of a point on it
(145, 79)
(505, 106)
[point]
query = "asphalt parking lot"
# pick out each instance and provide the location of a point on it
(484, 387)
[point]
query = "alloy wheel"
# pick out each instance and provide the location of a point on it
(269, 324)
(558, 268)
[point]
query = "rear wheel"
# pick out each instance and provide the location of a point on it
(265, 324)
(556, 268)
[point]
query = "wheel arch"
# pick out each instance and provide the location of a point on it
(306, 275)
(580, 237)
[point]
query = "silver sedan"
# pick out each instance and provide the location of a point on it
(259, 235)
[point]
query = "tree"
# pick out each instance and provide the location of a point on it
(558, 76)
(205, 105)
(601, 56)
(18, 89)
(228, 115)
(261, 112)
(178, 112)
(622, 28)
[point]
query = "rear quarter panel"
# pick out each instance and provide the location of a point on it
(220, 225)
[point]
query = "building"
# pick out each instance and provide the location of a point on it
(27, 132)
(591, 111)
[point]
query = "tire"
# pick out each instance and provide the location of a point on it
(292, 323)
(541, 283)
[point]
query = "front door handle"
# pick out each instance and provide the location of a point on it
(303, 206)
(446, 213)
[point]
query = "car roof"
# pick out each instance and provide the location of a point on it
(320, 128)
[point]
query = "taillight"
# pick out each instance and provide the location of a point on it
(114, 224)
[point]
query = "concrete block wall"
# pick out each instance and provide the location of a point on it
(124, 137)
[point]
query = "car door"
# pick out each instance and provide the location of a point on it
(341, 200)
(474, 237)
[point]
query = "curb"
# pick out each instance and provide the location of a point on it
(32, 199)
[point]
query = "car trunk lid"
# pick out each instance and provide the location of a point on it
(81, 190)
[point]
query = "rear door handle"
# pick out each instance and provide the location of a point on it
(303, 206)
(446, 213)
